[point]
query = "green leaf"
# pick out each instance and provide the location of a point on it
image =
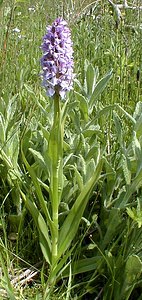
(5, 281)
(13, 172)
(71, 223)
(45, 132)
(78, 178)
(138, 111)
(38, 157)
(93, 129)
(45, 248)
(133, 269)
(112, 225)
(111, 173)
(45, 186)
(131, 212)
(83, 105)
(94, 151)
(84, 265)
(100, 113)
(100, 86)
(2, 130)
(90, 79)
(41, 226)
(135, 184)
(135, 215)
(138, 117)
(128, 116)
(26, 140)
(12, 147)
(138, 126)
(42, 202)
(137, 148)
(60, 267)
(90, 167)
(55, 147)
(126, 171)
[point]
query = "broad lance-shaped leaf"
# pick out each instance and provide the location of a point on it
(138, 126)
(38, 191)
(118, 128)
(102, 112)
(78, 267)
(135, 184)
(83, 265)
(100, 86)
(138, 111)
(41, 226)
(7, 161)
(71, 223)
(83, 105)
(133, 269)
(128, 116)
(125, 168)
(136, 146)
(90, 79)
(113, 222)
(2, 129)
(107, 109)
(132, 273)
(38, 157)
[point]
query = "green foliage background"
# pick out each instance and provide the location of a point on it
(103, 121)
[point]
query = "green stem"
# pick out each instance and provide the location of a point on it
(55, 183)
(55, 153)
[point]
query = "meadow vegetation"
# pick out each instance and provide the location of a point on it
(100, 212)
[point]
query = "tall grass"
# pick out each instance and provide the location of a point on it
(102, 259)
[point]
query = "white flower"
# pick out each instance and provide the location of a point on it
(31, 9)
(17, 30)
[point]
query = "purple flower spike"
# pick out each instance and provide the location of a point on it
(57, 59)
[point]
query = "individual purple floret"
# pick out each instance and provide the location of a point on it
(57, 59)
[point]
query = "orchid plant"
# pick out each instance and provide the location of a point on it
(56, 237)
